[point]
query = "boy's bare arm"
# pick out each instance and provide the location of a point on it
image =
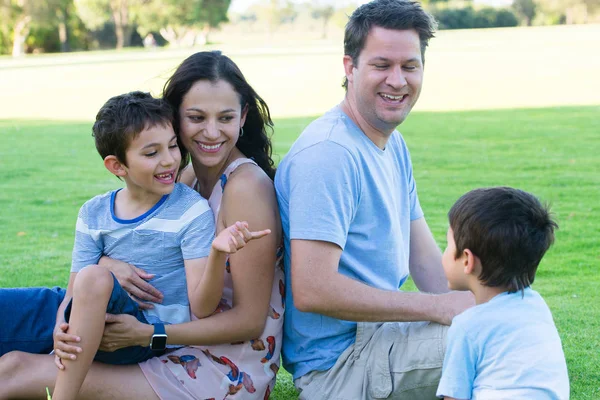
(205, 276)
(205, 280)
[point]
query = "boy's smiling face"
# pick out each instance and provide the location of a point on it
(153, 159)
(454, 268)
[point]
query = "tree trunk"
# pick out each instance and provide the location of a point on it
(63, 30)
(20, 32)
(123, 29)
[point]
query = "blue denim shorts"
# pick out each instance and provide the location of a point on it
(27, 319)
(121, 303)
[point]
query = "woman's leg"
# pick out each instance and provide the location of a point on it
(26, 376)
(92, 290)
(28, 317)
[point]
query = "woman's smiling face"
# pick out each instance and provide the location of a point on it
(210, 120)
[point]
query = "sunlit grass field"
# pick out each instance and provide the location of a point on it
(50, 167)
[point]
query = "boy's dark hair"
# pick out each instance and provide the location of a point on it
(509, 230)
(388, 14)
(123, 117)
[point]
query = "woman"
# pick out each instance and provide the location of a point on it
(233, 353)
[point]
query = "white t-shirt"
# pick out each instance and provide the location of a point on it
(507, 348)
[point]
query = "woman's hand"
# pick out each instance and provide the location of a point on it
(124, 330)
(62, 348)
(133, 280)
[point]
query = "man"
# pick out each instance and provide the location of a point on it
(354, 228)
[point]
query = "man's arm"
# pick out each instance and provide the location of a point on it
(318, 287)
(425, 261)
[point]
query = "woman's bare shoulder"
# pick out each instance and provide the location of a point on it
(250, 196)
(250, 180)
(187, 176)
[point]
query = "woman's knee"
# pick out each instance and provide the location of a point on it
(93, 282)
(11, 363)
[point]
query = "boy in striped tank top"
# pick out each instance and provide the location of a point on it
(154, 223)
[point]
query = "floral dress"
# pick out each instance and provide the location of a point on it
(244, 370)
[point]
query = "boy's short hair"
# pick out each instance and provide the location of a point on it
(509, 230)
(388, 14)
(123, 117)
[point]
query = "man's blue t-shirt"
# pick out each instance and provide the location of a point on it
(335, 185)
(507, 348)
(179, 227)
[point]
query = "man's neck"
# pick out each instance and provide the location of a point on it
(376, 136)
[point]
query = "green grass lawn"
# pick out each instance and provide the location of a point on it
(50, 168)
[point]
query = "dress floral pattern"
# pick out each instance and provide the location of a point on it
(244, 370)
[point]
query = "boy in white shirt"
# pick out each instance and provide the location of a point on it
(507, 346)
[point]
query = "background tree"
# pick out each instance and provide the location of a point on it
(122, 13)
(324, 13)
(182, 22)
(525, 9)
(17, 18)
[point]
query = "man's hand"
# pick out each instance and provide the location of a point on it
(133, 280)
(451, 304)
(62, 347)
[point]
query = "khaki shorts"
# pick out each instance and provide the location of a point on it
(392, 360)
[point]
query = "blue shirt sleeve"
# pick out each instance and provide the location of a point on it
(196, 238)
(324, 193)
(87, 250)
(459, 368)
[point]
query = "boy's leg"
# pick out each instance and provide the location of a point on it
(26, 376)
(387, 361)
(91, 293)
(28, 317)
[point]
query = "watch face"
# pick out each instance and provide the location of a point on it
(159, 342)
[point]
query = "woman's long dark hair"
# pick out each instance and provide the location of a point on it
(213, 66)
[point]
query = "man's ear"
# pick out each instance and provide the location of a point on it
(115, 166)
(349, 68)
(470, 262)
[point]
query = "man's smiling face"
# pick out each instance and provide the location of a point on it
(387, 79)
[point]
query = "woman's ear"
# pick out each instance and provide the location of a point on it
(115, 166)
(244, 115)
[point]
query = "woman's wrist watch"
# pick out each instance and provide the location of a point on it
(158, 342)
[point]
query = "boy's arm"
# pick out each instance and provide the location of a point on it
(460, 362)
(205, 280)
(205, 276)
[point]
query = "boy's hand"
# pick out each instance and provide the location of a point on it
(62, 348)
(235, 237)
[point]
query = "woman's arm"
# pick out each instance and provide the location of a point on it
(249, 196)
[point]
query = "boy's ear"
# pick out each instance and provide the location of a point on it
(470, 261)
(115, 166)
